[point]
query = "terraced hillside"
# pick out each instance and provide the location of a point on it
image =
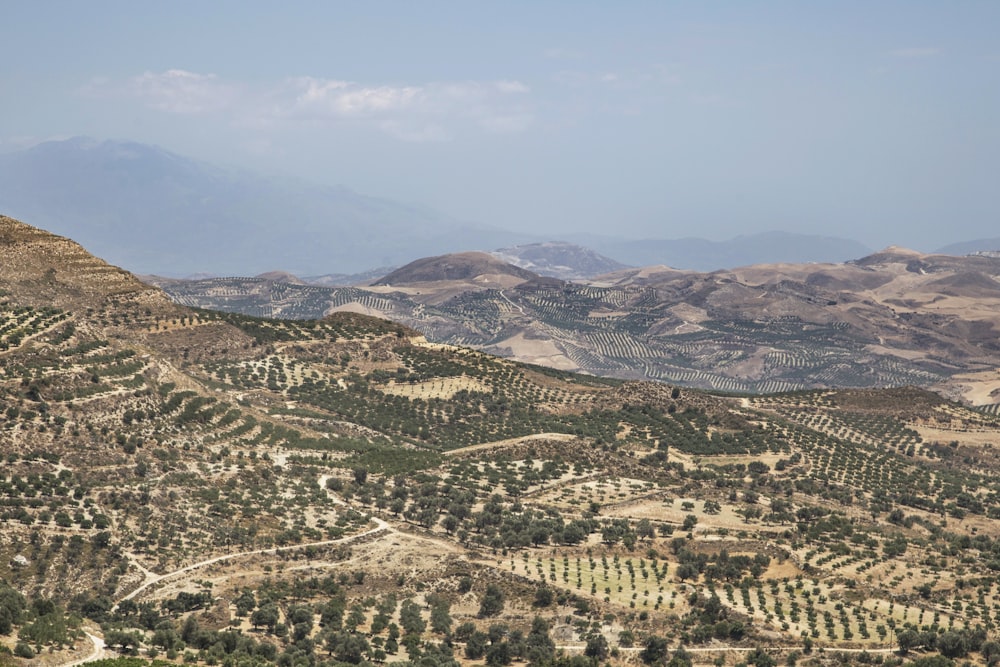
(211, 488)
(892, 319)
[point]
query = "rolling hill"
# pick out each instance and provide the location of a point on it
(207, 487)
(467, 267)
(565, 261)
(891, 318)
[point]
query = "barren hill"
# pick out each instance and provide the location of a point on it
(476, 267)
(42, 269)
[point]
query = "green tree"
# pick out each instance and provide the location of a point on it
(475, 646)
(492, 602)
(543, 596)
(539, 647)
(347, 646)
(760, 658)
(597, 647)
(123, 641)
(498, 654)
(907, 639)
(441, 618)
(680, 658)
(655, 650)
(266, 616)
(12, 604)
(410, 618)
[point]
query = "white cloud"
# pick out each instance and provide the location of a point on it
(427, 112)
(916, 52)
(654, 75)
(343, 98)
(183, 92)
(435, 111)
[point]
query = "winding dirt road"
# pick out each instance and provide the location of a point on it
(381, 526)
(99, 650)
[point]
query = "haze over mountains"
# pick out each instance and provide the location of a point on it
(153, 211)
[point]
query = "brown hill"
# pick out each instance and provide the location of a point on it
(897, 317)
(968, 284)
(464, 266)
(43, 269)
(281, 277)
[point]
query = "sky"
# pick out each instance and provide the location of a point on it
(876, 121)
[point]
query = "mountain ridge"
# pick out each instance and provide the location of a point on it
(154, 211)
(697, 254)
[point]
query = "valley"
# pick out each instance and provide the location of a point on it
(893, 318)
(206, 487)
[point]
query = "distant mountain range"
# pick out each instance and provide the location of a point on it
(698, 254)
(972, 247)
(153, 211)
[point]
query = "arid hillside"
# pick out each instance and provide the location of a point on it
(205, 488)
(894, 318)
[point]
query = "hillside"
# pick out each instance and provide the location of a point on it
(892, 318)
(470, 267)
(205, 487)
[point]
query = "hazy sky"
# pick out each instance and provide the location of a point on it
(878, 121)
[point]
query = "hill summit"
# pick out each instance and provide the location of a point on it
(555, 259)
(463, 266)
(43, 269)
